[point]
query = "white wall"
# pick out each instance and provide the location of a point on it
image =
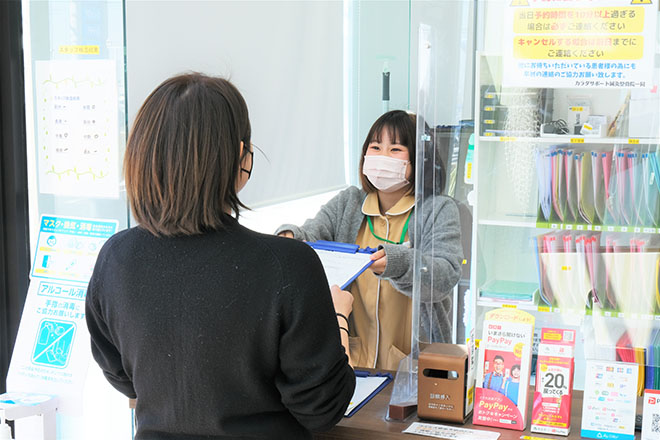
(266, 219)
(286, 59)
(379, 39)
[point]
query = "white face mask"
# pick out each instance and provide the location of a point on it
(386, 173)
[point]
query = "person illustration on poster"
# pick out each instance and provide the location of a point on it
(512, 384)
(495, 379)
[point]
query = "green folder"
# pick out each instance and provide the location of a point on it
(509, 290)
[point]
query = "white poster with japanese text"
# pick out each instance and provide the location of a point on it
(67, 247)
(579, 43)
(52, 351)
(77, 135)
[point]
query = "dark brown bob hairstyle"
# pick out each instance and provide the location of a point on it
(401, 129)
(183, 156)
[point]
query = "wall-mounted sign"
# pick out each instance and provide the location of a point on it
(77, 134)
(579, 43)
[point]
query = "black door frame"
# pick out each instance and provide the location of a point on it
(14, 215)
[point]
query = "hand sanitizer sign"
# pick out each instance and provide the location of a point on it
(51, 353)
(52, 346)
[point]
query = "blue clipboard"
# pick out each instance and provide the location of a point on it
(361, 373)
(327, 248)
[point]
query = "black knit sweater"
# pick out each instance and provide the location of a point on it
(229, 334)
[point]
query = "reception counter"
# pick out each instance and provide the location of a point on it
(370, 423)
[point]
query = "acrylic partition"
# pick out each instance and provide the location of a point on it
(443, 158)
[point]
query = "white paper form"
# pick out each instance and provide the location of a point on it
(364, 386)
(341, 268)
(450, 432)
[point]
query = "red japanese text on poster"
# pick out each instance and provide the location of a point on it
(579, 43)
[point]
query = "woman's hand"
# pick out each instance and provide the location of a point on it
(379, 262)
(342, 300)
(287, 234)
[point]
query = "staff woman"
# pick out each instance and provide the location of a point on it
(382, 214)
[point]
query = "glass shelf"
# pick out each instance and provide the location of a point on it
(529, 222)
(598, 228)
(567, 139)
(510, 221)
(522, 306)
(549, 309)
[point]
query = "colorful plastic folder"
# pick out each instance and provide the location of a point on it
(566, 269)
(595, 186)
(626, 352)
(342, 262)
(653, 361)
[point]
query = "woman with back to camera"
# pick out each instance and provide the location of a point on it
(382, 214)
(218, 331)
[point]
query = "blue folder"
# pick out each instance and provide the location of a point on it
(337, 246)
(361, 373)
(347, 248)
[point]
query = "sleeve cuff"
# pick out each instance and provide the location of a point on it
(396, 260)
(297, 233)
